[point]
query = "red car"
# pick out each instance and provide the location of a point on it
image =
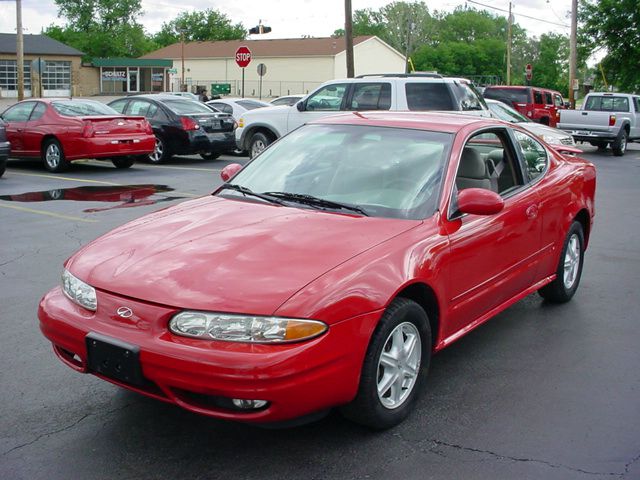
(539, 104)
(61, 130)
(328, 270)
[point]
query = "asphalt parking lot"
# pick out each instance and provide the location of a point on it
(540, 392)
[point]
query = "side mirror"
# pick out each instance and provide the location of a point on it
(229, 171)
(300, 106)
(479, 201)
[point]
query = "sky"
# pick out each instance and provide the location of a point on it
(289, 18)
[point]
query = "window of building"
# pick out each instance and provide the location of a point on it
(9, 75)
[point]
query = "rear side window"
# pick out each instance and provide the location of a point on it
(371, 96)
(38, 111)
(607, 104)
(138, 108)
(548, 98)
(537, 97)
(118, 105)
(429, 96)
(636, 100)
(508, 95)
(250, 104)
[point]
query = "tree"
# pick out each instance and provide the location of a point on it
(102, 28)
(613, 24)
(550, 68)
(199, 26)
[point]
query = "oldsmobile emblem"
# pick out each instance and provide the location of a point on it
(124, 312)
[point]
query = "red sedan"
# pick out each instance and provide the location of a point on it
(61, 130)
(328, 270)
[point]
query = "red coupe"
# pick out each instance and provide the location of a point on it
(61, 130)
(328, 270)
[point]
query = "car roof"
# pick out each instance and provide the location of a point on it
(432, 121)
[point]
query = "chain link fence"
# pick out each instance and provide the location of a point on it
(270, 89)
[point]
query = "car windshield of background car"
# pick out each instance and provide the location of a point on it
(186, 107)
(503, 112)
(388, 172)
(75, 108)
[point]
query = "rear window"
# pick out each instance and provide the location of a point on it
(508, 95)
(81, 108)
(607, 104)
(250, 104)
(429, 96)
(186, 107)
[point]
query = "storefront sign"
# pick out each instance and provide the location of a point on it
(111, 75)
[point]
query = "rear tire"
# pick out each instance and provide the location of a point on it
(394, 367)
(258, 143)
(619, 147)
(161, 151)
(569, 268)
(123, 162)
(53, 156)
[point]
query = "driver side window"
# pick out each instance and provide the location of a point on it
(328, 98)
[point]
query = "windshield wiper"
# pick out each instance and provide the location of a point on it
(248, 192)
(315, 201)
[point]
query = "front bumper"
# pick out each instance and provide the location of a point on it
(296, 379)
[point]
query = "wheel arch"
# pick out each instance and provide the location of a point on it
(584, 219)
(46, 138)
(425, 296)
(251, 131)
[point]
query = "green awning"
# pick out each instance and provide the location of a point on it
(131, 62)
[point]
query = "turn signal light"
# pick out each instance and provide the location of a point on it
(612, 120)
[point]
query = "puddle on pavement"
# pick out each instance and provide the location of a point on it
(125, 195)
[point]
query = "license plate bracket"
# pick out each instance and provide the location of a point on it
(114, 358)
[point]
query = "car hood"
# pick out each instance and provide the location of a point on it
(226, 255)
(550, 134)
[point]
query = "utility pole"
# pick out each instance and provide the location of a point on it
(572, 52)
(510, 20)
(410, 27)
(348, 38)
(19, 50)
(182, 57)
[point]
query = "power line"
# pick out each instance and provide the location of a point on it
(519, 14)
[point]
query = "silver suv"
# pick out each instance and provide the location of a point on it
(409, 92)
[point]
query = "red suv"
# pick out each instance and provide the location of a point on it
(539, 104)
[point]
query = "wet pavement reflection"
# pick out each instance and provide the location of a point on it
(127, 195)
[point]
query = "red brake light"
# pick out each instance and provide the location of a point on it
(88, 131)
(612, 120)
(189, 123)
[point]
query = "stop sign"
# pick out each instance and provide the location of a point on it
(243, 56)
(528, 70)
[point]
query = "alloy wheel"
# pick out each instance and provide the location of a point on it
(53, 156)
(571, 261)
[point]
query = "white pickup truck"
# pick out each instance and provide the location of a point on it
(605, 119)
(258, 128)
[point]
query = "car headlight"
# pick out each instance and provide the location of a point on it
(78, 291)
(244, 328)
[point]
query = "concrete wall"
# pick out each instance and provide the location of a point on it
(88, 81)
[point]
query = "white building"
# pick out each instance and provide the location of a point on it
(292, 65)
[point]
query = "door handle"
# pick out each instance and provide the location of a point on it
(531, 211)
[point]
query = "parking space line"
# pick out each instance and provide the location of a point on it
(50, 214)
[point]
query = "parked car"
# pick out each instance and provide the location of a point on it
(61, 130)
(236, 106)
(417, 92)
(287, 100)
(5, 147)
(538, 104)
(605, 119)
(181, 126)
(328, 270)
(553, 136)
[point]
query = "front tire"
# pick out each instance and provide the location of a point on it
(258, 143)
(569, 268)
(53, 156)
(394, 367)
(122, 162)
(619, 147)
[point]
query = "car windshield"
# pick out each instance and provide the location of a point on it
(186, 107)
(385, 172)
(508, 114)
(81, 108)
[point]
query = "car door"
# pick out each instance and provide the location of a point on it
(35, 130)
(16, 118)
(492, 257)
(325, 101)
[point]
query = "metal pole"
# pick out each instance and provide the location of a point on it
(19, 50)
(509, 47)
(242, 82)
(182, 55)
(348, 38)
(572, 52)
(40, 71)
(260, 90)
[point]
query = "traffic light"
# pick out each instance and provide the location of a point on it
(259, 29)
